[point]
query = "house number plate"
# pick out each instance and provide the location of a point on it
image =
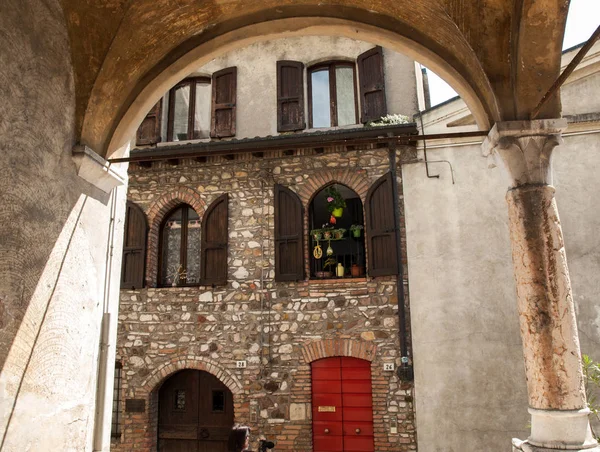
(326, 409)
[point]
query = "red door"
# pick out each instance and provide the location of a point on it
(195, 413)
(342, 405)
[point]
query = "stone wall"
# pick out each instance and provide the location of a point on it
(278, 328)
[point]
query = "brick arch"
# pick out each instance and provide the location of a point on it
(355, 179)
(156, 213)
(163, 372)
(314, 350)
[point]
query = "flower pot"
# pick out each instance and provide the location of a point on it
(356, 270)
(338, 212)
(327, 235)
(356, 233)
(317, 235)
(338, 233)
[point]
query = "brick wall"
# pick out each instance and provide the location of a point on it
(278, 328)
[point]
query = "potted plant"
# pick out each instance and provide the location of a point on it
(317, 234)
(356, 230)
(335, 202)
(338, 233)
(329, 263)
(357, 270)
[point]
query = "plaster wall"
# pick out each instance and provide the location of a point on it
(53, 242)
(581, 96)
(257, 77)
(470, 387)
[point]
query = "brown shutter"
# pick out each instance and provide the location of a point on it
(149, 130)
(372, 84)
(213, 265)
(381, 230)
(223, 103)
(290, 96)
(134, 248)
(289, 260)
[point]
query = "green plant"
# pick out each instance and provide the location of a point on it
(356, 227)
(335, 200)
(591, 373)
(389, 120)
(330, 262)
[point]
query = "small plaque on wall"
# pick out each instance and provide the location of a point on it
(326, 409)
(135, 405)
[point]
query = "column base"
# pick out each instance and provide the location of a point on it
(519, 445)
(553, 430)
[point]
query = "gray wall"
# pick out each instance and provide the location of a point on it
(469, 373)
(54, 229)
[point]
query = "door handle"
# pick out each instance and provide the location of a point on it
(357, 431)
(326, 430)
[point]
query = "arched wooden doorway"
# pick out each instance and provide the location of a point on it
(195, 413)
(342, 405)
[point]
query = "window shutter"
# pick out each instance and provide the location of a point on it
(381, 228)
(372, 84)
(289, 259)
(149, 130)
(290, 96)
(213, 265)
(134, 248)
(223, 103)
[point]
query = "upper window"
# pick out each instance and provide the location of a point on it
(189, 110)
(180, 247)
(332, 95)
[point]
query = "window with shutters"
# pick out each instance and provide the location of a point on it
(149, 131)
(180, 247)
(289, 258)
(372, 85)
(381, 228)
(290, 96)
(224, 95)
(336, 243)
(215, 237)
(134, 248)
(332, 95)
(189, 109)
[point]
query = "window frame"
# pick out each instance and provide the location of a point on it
(191, 82)
(117, 416)
(331, 66)
(183, 245)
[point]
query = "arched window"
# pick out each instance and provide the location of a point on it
(337, 246)
(180, 247)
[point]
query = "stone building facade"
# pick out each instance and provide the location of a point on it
(279, 328)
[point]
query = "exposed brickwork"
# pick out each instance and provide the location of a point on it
(278, 328)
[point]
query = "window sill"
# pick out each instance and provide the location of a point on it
(337, 280)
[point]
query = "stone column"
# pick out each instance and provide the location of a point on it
(555, 386)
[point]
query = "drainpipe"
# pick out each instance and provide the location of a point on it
(104, 380)
(405, 371)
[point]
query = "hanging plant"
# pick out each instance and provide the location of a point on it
(335, 202)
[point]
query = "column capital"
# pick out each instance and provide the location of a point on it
(524, 148)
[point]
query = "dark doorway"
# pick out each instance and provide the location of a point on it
(195, 413)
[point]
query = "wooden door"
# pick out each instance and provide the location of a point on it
(342, 405)
(195, 413)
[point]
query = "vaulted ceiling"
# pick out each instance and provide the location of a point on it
(506, 53)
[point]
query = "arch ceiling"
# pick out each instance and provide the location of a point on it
(501, 55)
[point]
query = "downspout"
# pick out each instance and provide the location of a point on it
(405, 371)
(104, 381)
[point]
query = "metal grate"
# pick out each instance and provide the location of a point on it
(115, 430)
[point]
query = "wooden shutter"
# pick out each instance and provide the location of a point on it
(223, 103)
(134, 248)
(149, 130)
(213, 265)
(381, 228)
(290, 96)
(289, 259)
(372, 84)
